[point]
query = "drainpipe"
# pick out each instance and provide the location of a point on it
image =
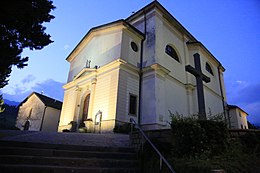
(141, 71)
(43, 115)
(222, 96)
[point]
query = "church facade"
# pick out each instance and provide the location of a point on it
(136, 68)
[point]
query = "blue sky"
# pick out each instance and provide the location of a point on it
(229, 29)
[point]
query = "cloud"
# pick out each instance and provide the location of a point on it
(28, 79)
(50, 88)
(66, 47)
(247, 97)
(240, 82)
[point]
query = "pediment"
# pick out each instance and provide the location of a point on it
(84, 72)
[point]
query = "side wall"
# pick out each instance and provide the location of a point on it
(51, 120)
(128, 84)
(167, 86)
(238, 119)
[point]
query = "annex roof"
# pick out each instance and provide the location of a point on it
(236, 107)
(47, 101)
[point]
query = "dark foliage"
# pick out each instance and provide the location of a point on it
(201, 146)
(21, 27)
(8, 117)
(149, 159)
(122, 128)
(252, 126)
(204, 145)
(1, 104)
(195, 137)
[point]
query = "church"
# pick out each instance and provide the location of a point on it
(140, 67)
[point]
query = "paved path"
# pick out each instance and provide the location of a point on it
(87, 139)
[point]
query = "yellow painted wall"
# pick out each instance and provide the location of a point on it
(51, 120)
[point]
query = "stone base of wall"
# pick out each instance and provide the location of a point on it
(241, 132)
(163, 136)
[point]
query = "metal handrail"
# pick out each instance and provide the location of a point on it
(162, 158)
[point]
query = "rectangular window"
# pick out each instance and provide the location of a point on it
(132, 104)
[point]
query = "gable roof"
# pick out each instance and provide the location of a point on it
(47, 101)
(104, 26)
(168, 16)
(236, 107)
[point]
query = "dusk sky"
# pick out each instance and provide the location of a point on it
(229, 29)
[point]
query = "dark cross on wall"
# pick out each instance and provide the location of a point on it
(200, 77)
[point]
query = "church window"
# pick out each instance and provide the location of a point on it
(209, 69)
(132, 104)
(134, 46)
(171, 52)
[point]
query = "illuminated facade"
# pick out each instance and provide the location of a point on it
(39, 113)
(136, 68)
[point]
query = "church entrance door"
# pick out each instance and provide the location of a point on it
(86, 108)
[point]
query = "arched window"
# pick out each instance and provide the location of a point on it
(170, 51)
(209, 69)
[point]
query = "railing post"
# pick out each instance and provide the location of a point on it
(131, 132)
(160, 163)
(144, 136)
(142, 143)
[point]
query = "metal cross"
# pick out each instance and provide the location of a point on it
(200, 77)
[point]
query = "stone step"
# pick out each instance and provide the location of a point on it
(31, 157)
(65, 153)
(65, 161)
(7, 168)
(64, 147)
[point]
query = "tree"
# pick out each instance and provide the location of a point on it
(21, 27)
(1, 104)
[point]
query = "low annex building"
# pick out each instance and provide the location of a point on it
(238, 117)
(39, 113)
(141, 67)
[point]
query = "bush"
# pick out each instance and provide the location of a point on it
(203, 145)
(122, 128)
(192, 137)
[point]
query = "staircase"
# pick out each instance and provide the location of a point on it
(28, 157)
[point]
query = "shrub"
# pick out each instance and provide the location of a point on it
(203, 145)
(192, 137)
(122, 128)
